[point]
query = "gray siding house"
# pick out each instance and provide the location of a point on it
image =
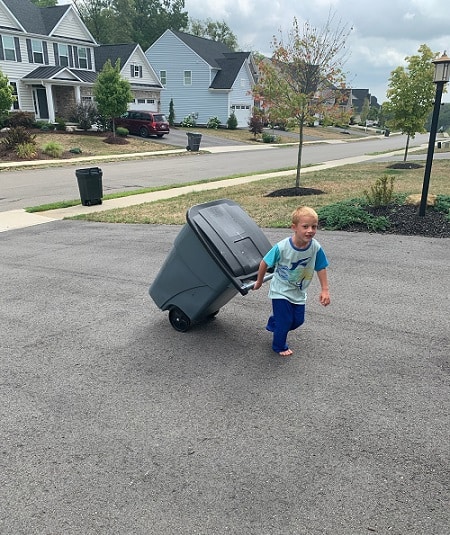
(52, 61)
(203, 77)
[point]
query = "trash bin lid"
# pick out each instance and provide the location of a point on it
(230, 235)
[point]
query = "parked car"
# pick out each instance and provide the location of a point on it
(144, 123)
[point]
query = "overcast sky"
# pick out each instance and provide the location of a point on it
(384, 32)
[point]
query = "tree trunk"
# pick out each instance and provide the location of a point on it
(299, 156)
(406, 148)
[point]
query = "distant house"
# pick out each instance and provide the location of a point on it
(203, 77)
(135, 67)
(51, 60)
(359, 97)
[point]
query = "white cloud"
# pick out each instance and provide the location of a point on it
(384, 33)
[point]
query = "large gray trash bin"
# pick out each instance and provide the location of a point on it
(215, 256)
(90, 185)
(193, 141)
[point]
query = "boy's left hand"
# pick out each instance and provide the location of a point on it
(324, 298)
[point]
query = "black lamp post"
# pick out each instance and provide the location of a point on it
(441, 77)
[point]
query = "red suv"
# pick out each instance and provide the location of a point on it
(144, 123)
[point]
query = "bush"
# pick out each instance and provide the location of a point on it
(44, 125)
(85, 114)
(26, 150)
(255, 125)
(268, 138)
(341, 216)
(18, 136)
(382, 192)
(171, 113)
(121, 131)
(20, 118)
(232, 122)
(60, 124)
(189, 121)
(53, 149)
(213, 122)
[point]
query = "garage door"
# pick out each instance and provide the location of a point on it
(147, 104)
(242, 112)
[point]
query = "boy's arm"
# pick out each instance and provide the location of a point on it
(261, 274)
(324, 297)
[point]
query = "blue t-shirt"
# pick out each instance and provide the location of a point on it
(294, 269)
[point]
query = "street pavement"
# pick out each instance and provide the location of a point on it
(113, 423)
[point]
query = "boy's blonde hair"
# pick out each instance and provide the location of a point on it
(302, 211)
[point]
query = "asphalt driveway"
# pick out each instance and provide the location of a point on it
(114, 423)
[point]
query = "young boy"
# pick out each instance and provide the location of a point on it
(294, 260)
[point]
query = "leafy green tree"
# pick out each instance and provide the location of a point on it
(214, 30)
(6, 94)
(410, 95)
(112, 93)
(45, 3)
(304, 77)
(137, 21)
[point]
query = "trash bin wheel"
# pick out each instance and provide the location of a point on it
(178, 319)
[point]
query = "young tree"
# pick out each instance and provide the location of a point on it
(112, 93)
(304, 77)
(6, 94)
(411, 95)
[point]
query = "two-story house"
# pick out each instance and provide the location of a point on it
(203, 77)
(50, 59)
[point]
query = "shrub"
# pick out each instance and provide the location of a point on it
(189, 121)
(18, 136)
(60, 124)
(53, 149)
(213, 122)
(171, 113)
(43, 125)
(20, 118)
(382, 192)
(85, 114)
(26, 150)
(121, 131)
(232, 121)
(255, 125)
(341, 216)
(268, 138)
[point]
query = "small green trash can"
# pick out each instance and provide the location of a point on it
(90, 185)
(193, 141)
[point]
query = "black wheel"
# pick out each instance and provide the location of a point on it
(178, 319)
(143, 132)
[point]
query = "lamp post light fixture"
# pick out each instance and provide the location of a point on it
(441, 77)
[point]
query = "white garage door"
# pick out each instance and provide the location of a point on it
(242, 112)
(147, 104)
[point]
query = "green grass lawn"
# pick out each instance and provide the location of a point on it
(337, 184)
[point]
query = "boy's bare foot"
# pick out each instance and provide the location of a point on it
(286, 353)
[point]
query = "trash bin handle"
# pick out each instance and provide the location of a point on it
(249, 286)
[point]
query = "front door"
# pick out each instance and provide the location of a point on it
(40, 103)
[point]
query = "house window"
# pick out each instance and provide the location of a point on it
(163, 77)
(63, 52)
(37, 51)
(15, 105)
(82, 58)
(9, 49)
(187, 77)
(136, 71)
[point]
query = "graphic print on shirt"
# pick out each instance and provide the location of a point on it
(297, 273)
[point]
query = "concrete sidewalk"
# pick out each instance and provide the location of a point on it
(16, 219)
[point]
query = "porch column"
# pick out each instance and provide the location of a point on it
(77, 94)
(50, 103)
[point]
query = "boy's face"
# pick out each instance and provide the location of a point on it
(305, 229)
